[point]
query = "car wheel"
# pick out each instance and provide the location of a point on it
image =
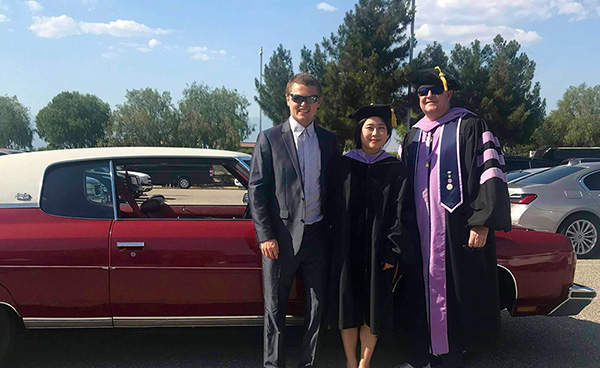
(584, 232)
(184, 183)
(7, 333)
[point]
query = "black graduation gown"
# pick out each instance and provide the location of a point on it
(366, 208)
(471, 274)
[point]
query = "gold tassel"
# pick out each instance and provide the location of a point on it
(394, 123)
(442, 77)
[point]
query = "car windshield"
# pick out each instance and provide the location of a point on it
(513, 175)
(246, 160)
(551, 175)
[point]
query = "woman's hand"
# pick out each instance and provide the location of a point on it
(387, 266)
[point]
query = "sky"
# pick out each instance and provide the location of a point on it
(106, 47)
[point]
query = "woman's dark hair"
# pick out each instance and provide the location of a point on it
(359, 126)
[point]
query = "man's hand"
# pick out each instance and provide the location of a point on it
(478, 236)
(387, 266)
(270, 248)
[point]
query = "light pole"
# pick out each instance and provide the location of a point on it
(410, 57)
(260, 52)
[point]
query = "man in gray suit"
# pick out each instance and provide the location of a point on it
(288, 196)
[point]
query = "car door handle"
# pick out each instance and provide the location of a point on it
(130, 244)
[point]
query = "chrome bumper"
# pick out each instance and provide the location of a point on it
(579, 297)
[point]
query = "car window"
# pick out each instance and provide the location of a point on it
(592, 182)
(537, 163)
(247, 161)
(80, 190)
(512, 163)
(564, 154)
(551, 175)
(183, 189)
(515, 175)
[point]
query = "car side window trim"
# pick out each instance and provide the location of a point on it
(582, 180)
(113, 188)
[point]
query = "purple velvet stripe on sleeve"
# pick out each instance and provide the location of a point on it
(492, 172)
(489, 154)
(485, 138)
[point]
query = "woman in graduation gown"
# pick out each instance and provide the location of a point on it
(365, 260)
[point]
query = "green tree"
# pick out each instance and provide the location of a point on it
(271, 95)
(366, 62)
(433, 55)
(472, 66)
(213, 118)
(575, 122)
(313, 62)
(146, 118)
(512, 104)
(15, 125)
(73, 120)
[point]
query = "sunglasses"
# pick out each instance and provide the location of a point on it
(299, 98)
(436, 90)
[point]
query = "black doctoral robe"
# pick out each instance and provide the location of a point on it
(471, 274)
(366, 208)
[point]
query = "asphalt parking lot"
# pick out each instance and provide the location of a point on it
(525, 342)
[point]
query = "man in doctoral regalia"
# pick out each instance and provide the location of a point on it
(458, 175)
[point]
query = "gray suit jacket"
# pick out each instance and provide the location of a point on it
(275, 187)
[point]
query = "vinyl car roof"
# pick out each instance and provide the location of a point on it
(23, 173)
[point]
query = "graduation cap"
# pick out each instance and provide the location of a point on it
(434, 76)
(383, 111)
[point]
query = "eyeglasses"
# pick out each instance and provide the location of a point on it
(299, 98)
(436, 90)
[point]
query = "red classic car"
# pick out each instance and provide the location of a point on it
(78, 250)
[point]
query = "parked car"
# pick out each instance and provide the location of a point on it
(564, 199)
(562, 155)
(142, 180)
(524, 163)
(516, 175)
(180, 257)
(181, 176)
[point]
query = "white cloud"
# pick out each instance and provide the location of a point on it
(462, 21)
(153, 43)
(4, 18)
(4, 7)
(34, 6)
(502, 12)
(464, 34)
(326, 7)
(143, 49)
(64, 26)
(204, 53)
(108, 55)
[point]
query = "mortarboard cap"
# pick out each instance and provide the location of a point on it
(434, 76)
(383, 111)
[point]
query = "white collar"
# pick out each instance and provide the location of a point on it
(297, 128)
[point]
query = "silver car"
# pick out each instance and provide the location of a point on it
(516, 175)
(564, 199)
